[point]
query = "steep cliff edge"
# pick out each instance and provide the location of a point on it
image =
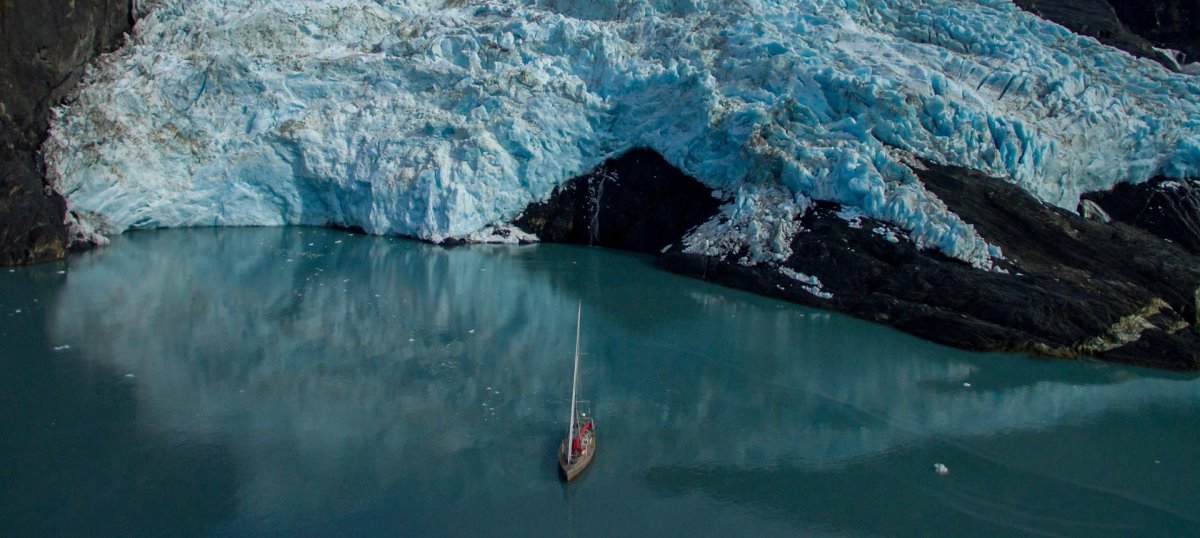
(46, 45)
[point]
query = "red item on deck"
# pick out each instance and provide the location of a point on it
(577, 442)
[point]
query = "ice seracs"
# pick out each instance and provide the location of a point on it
(438, 119)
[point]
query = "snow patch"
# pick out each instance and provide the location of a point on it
(810, 283)
(888, 234)
(1175, 56)
(1092, 211)
(852, 215)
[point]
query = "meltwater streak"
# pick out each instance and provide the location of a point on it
(332, 381)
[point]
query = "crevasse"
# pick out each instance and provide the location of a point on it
(436, 119)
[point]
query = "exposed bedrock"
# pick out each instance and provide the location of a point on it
(1164, 207)
(635, 202)
(1173, 24)
(46, 44)
(1075, 287)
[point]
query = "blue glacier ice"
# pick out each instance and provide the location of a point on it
(440, 119)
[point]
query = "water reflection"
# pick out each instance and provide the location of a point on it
(341, 370)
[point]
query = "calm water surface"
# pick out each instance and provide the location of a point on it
(292, 381)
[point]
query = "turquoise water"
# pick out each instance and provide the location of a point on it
(295, 381)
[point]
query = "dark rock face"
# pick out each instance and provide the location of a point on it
(635, 202)
(1174, 24)
(31, 222)
(1074, 287)
(1142, 288)
(1167, 208)
(46, 44)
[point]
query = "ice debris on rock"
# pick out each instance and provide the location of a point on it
(810, 283)
(436, 119)
(502, 234)
(757, 227)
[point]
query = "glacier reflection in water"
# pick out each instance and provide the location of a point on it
(384, 385)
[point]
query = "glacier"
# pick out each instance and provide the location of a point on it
(441, 118)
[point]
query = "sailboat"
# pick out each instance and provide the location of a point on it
(578, 447)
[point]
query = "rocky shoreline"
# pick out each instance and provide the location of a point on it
(1119, 284)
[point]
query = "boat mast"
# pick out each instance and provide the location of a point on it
(574, 385)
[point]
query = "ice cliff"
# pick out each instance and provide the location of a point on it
(437, 118)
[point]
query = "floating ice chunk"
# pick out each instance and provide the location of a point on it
(941, 469)
(62, 347)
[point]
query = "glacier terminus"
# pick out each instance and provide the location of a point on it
(437, 119)
(803, 121)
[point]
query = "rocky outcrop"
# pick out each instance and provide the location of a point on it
(1164, 207)
(1069, 286)
(1174, 24)
(46, 44)
(636, 202)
